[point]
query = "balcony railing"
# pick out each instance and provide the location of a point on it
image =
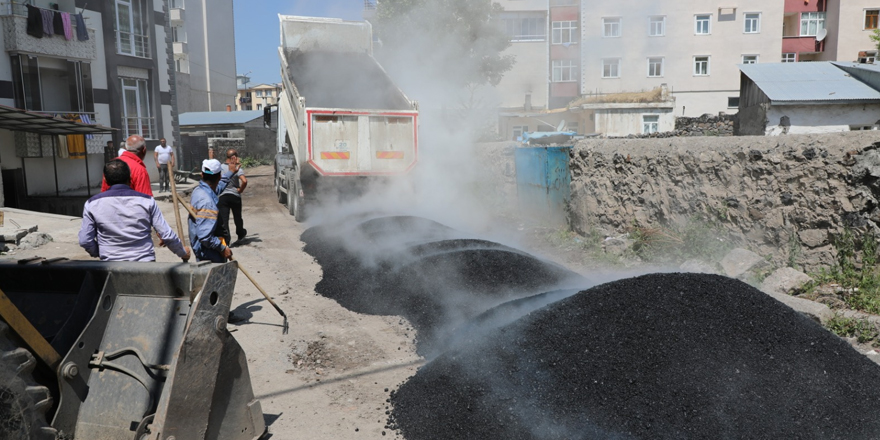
(133, 44)
(807, 44)
(141, 126)
(244, 100)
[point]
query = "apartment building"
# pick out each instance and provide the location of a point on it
(830, 30)
(204, 54)
(691, 47)
(114, 68)
(257, 97)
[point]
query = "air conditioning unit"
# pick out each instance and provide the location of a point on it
(868, 57)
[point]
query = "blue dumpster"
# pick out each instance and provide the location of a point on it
(543, 183)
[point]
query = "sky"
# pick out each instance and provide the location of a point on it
(256, 31)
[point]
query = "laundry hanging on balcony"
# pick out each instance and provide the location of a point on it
(34, 22)
(48, 22)
(82, 34)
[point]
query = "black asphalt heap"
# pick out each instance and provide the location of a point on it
(663, 356)
(436, 285)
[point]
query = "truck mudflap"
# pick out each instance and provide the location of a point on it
(145, 350)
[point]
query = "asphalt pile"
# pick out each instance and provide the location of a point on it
(662, 356)
(437, 278)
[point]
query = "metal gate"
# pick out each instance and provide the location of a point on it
(543, 183)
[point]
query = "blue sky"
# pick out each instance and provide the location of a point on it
(256, 30)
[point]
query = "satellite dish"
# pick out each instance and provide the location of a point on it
(561, 126)
(821, 35)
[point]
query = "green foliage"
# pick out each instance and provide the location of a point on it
(875, 37)
(698, 238)
(862, 329)
(794, 250)
(860, 279)
(250, 162)
(459, 41)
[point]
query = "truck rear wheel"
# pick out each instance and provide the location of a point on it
(23, 403)
(295, 204)
(281, 196)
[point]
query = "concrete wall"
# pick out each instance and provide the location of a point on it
(627, 121)
(846, 30)
(528, 76)
(695, 95)
(773, 195)
(820, 118)
(210, 39)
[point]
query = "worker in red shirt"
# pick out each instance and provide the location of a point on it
(135, 151)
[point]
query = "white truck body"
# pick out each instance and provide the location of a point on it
(339, 114)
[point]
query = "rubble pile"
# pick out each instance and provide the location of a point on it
(658, 356)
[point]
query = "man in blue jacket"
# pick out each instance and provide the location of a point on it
(204, 234)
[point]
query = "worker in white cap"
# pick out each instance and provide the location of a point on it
(203, 233)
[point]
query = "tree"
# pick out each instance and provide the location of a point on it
(875, 37)
(459, 42)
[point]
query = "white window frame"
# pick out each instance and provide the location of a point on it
(704, 19)
(139, 45)
(610, 68)
(562, 28)
(752, 25)
(608, 27)
(708, 62)
(662, 64)
(753, 59)
(808, 18)
(657, 26)
(789, 57)
(521, 129)
(650, 124)
(142, 104)
(514, 28)
(564, 71)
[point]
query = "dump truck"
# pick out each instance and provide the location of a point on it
(112, 350)
(342, 121)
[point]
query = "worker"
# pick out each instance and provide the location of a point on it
(163, 156)
(204, 231)
(230, 198)
(121, 149)
(117, 223)
(135, 152)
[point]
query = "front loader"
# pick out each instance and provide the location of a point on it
(97, 350)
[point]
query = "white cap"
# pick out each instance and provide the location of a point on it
(211, 166)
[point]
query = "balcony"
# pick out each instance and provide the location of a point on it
(180, 49)
(246, 100)
(177, 16)
(16, 39)
(801, 45)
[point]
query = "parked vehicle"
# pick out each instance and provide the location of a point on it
(341, 119)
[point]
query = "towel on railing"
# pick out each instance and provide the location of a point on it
(86, 119)
(82, 34)
(48, 25)
(65, 21)
(34, 22)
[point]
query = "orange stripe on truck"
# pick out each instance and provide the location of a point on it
(336, 155)
(389, 155)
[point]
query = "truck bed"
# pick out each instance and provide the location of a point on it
(343, 80)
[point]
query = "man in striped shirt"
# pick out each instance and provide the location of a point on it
(117, 223)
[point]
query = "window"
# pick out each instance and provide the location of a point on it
(136, 115)
(733, 102)
(259, 93)
(131, 28)
(750, 59)
(701, 66)
(178, 34)
(181, 65)
(52, 84)
(789, 58)
(650, 124)
(518, 131)
(655, 67)
(565, 70)
(259, 106)
(752, 23)
(565, 32)
(611, 27)
(702, 24)
(812, 23)
(611, 68)
(657, 26)
(871, 18)
(526, 27)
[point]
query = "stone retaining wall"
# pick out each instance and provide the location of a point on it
(777, 196)
(706, 125)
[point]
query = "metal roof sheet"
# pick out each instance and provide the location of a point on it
(34, 122)
(219, 118)
(814, 81)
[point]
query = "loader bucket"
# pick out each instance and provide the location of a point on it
(145, 353)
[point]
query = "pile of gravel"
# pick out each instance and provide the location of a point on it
(658, 356)
(385, 267)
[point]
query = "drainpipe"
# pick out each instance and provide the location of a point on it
(207, 56)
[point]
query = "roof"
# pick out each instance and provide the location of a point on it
(808, 82)
(33, 122)
(219, 118)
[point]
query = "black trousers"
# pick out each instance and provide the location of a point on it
(227, 203)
